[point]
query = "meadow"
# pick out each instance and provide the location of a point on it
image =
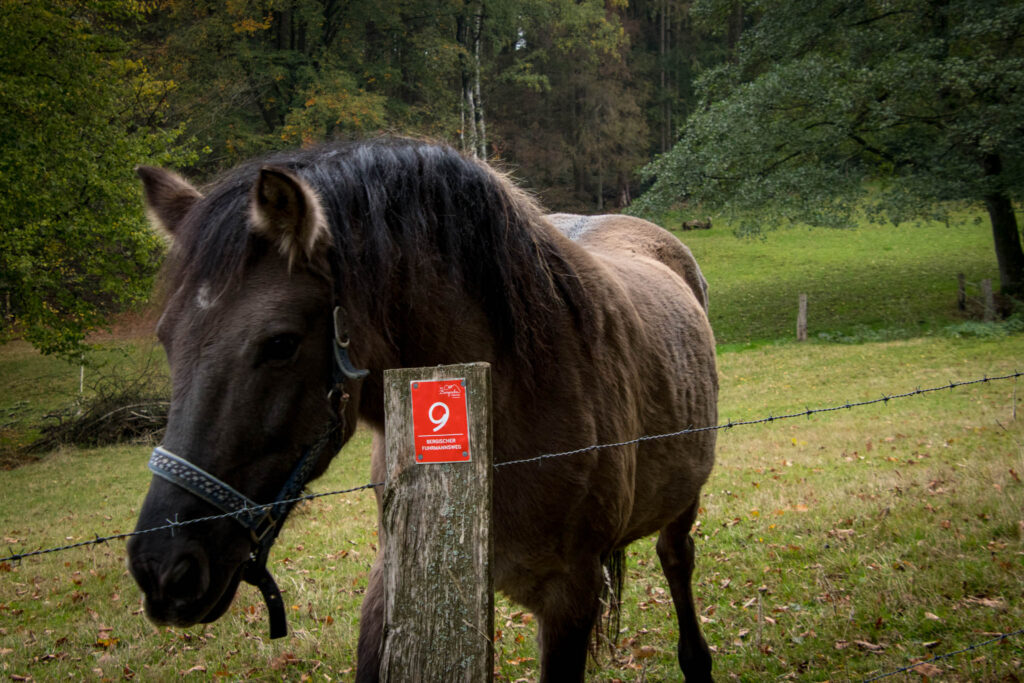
(840, 546)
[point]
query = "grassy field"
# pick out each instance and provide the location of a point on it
(873, 283)
(836, 547)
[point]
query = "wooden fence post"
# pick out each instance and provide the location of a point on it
(436, 520)
(989, 299)
(801, 319)
(961, 292)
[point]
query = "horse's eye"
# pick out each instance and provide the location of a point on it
(280, 348)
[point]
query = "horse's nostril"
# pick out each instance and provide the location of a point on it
(186, 578)
(182, 572)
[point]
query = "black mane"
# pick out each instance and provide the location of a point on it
(396, 208)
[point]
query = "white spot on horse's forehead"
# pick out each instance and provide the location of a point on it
(203, 299)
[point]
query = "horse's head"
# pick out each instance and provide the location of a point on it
(249, 333)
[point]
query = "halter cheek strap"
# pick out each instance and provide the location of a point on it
(264, 521)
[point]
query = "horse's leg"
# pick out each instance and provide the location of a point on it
(570, 610)
(675, 549)
(371, 626)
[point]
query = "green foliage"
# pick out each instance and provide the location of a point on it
(333, 103)
(77, 114)
(924, 99)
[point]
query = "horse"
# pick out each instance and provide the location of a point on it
(294, 280)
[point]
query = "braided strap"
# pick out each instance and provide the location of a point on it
(179, 471)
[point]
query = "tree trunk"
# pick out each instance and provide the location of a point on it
(1005, 233)
(734, 29)
(666, 124)
(478, 108)
(468, 34)
(467, 136)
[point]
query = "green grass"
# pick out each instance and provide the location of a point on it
(37, 390)
(870, 284)
(834, 547)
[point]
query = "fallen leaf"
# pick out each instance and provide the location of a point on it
(927, 670)
(197, 669)
(933, 617)
(995, 603)
(871, 647)
(644, 652)
(283, 660)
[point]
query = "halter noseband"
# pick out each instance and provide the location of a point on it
(264, 521)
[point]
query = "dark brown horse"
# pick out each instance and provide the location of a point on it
(595, 329)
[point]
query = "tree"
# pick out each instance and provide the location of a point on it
(469, 34)
(667, 51)
(924, 98)
(77, 114)
(567, 111)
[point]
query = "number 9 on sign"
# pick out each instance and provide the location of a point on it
(438, 422)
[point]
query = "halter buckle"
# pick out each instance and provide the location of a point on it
(264, 526)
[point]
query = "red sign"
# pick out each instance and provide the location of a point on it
(440, 420)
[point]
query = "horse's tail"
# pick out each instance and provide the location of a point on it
(608, 624)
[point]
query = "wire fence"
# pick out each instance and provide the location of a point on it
(808, 412)
(946, 655)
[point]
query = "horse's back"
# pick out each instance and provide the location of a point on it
(652, 285)
(629, 235)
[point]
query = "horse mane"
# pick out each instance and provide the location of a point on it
(397, 209)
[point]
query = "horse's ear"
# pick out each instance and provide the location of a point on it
(287, 211)
(168, 197)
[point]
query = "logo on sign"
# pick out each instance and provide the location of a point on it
(440, 418)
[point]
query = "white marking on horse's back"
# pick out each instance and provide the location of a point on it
(572, 225)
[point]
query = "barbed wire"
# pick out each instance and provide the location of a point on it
(175, 524)
(946, 655)
(17, 557)
(771, 418)
(171, 525)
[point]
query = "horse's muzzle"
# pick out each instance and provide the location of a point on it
(178, 588)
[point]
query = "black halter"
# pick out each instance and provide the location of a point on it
(264, 521)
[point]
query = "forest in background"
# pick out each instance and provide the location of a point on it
(573, 96)
(767, 112)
